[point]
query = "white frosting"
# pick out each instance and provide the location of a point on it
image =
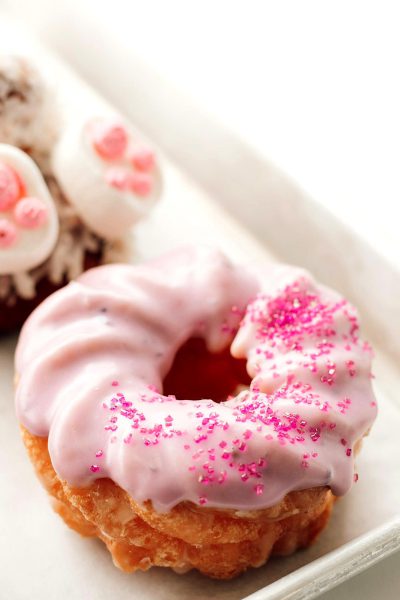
(82, 171)
(32, 246)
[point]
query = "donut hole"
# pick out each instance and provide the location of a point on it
(197, 373)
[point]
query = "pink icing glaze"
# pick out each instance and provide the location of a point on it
(109, 138)
(10, 187)
(31, 213)
(8, 233)
(92, 359)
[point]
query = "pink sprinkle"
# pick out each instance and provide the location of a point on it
(202, 500)
(114, 383)
(31, 213)
(110, 139)
(348, 452)
(315, 434)
(222, 477)
(99, 453)
(142, 159)
(204, 479)
(94, 468)
(259, 489)
(8, 233)
(10, 187)
(343, 442)
(355, 478)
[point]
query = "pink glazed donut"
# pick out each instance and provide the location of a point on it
(103, 366)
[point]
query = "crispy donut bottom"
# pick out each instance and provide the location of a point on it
(218, 543)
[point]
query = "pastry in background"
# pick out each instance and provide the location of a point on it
(96, 176)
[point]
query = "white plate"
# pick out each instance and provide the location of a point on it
(40, 557)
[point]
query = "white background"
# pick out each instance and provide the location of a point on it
(313, 85)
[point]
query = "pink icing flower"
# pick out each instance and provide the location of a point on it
(110, 139)
(8, 233)
(119, 178)
(142, 159)
(31, 213)
(140, 184)
(10, 187)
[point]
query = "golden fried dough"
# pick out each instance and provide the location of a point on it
(218, 543)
